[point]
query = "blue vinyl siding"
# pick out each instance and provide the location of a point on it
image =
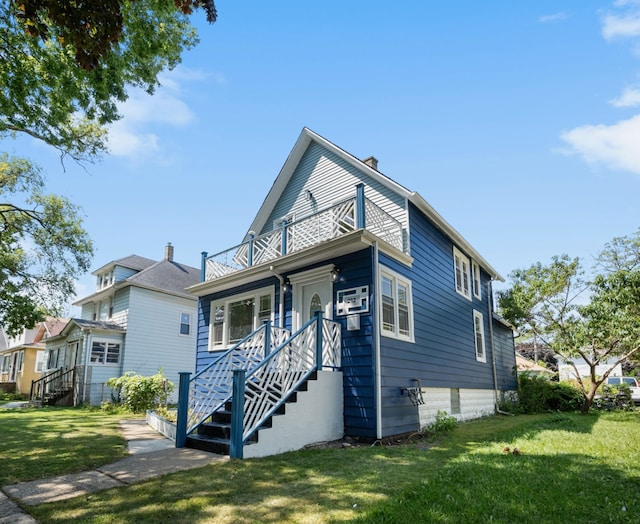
(505, 357)
(357, 349)
(443, 354)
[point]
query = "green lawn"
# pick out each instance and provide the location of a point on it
(40, 443)
(572, 468)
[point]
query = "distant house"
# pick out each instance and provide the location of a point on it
(567, 371)
(139, 319)
(532, 368)
(22, 357)
(353, 296)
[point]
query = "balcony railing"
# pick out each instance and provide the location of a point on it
(339, 219)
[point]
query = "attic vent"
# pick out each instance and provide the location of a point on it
(371, 161)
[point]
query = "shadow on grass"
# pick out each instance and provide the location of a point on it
(412, 483)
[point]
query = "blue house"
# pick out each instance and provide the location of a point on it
(351, 296)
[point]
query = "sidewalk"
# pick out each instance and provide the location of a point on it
(150, 455)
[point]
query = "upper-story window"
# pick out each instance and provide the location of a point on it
(477, 289)
(105, 279)
(185, 323)
(462, 272)
(478, 332)
(397, 305)
(235, 317)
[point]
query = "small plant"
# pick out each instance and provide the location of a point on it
(138, 393)
(444, 423)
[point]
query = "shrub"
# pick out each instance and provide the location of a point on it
(443, 424)
(138, 393)
(538, 395)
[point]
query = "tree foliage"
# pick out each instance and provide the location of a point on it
(64, 67)
(550, 303)
(43, 247)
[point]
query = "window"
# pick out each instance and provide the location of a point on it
(396, 305)
(462, 277)
(185, 323)
(106, 309)
(105, 280)
(39, 362)
(477, 290)
(478, 332)
(52, 361)
(236, 317)
(105, 353)
(20, 360)
(5, 363)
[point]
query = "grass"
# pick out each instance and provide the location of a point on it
(40, 443)
(572, 468)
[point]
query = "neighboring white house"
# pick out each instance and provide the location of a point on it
(567, 372)
(139, 319)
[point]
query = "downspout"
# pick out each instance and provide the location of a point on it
(281, 305)
(376, 352)
(493, 353)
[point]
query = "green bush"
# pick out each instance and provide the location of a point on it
(138, 393)
(539, 395)
(443, 424)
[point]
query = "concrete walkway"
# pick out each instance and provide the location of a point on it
(150, 455)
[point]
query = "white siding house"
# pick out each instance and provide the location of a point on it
(140, 319)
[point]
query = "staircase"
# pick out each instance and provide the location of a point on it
(214, 436)
(55, 388)
(227, 405)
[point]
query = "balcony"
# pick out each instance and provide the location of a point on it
(330, 223)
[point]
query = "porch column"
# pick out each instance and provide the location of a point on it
(283, 235)
(360, 211)
(237, 414)
(183, 409)
(203, 266)
(250, 253)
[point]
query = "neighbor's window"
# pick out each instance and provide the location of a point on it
(5, 364)
(185, 323)
(477, 290)
(462, 273)
(396, 304)
(236, 317)
(20, 360)
(39, 362)
(105, 352)
(52, 361)
(478, 331)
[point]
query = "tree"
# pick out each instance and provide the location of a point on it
(549, 303)
(64, 67)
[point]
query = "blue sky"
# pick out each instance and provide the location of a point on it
(519, 122)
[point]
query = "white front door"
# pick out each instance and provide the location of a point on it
(312, 291)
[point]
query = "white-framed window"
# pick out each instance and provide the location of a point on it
(477, 288)
(396, 305)
(105, 279)
(462, 271)
(39, 362)
(233, 318)
(105, 353)
(478, 333)
(5, 363)
(106, 309)
(20, 361)
(185, 323)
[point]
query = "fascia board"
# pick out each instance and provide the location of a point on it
(448, 230)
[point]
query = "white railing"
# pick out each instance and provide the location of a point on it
(324, 225)
(212, 387)
(269, 385)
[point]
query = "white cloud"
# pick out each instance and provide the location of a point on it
(630, 97)
(614, 146)
(555, 17)
(626, 26)
(125, 140)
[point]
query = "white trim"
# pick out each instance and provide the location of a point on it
(477, 316)
(476, 281)
(396, 279)
(180, 323)
(318, 275)
(461, 271)
(254, 294)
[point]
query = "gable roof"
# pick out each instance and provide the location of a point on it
(304, 140)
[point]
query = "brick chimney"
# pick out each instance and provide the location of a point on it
(372, 161)
(168, 252)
